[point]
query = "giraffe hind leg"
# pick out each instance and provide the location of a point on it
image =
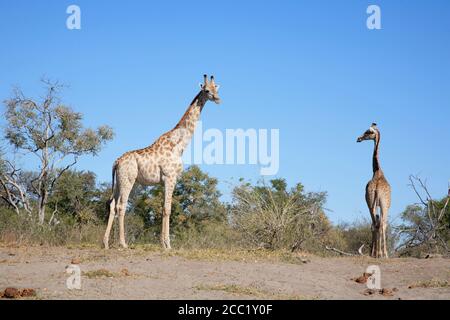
(384, 214)
(112, 213)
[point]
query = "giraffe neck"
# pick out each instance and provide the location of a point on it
(192, 114)
(186, 126)
(375, 159)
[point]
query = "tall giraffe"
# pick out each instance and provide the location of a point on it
(378, 195)
(160, 162)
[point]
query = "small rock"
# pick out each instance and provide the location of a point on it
(125, 272)
(305, 261)
(75, 261)
(369, 292)
(387, 292)
(363, 278)
(11, 293)
(28, 293)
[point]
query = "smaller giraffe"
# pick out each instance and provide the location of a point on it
(159, 163)
(378, 195)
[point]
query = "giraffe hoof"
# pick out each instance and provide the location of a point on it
(124, 245)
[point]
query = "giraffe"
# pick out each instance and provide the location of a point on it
(378, 195)
(159, 163)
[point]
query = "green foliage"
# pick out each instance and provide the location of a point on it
(74, 191)
(422, 232)
(440, 205)
(48, 125)
(52, 132)
(354, 235)
(196, 200)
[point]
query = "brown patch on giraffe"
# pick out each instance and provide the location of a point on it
(140, 151)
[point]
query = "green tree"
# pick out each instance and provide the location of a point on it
(76, 194)
(196, 200)
(54, 134)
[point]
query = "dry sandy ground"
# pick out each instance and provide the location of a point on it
(151, 274)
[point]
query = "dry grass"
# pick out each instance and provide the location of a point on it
(251, 292)
(99, 274)
(241, 255)
(433, 283)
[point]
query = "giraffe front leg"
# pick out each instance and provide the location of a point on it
(121, 209)
(169, 185)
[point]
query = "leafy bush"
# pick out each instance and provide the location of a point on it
(196, 200)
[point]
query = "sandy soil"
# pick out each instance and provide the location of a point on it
(140, 274)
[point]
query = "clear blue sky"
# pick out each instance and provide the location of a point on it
(309, 68)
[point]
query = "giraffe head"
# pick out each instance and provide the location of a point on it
(210, 89)
(371, 134)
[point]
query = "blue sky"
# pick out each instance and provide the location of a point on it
(309, 68)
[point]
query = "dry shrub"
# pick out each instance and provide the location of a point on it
(271, 217)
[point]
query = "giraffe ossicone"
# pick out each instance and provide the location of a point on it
(161, 162)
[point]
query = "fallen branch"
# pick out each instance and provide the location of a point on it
(360, 250)
(339, 251)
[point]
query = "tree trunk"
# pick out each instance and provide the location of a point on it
(42, 205)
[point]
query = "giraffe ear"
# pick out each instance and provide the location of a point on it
(217, 87)
(201, 85)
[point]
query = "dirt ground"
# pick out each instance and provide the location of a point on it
(152, 274)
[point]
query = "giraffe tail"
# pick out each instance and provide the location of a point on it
(113, 184)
